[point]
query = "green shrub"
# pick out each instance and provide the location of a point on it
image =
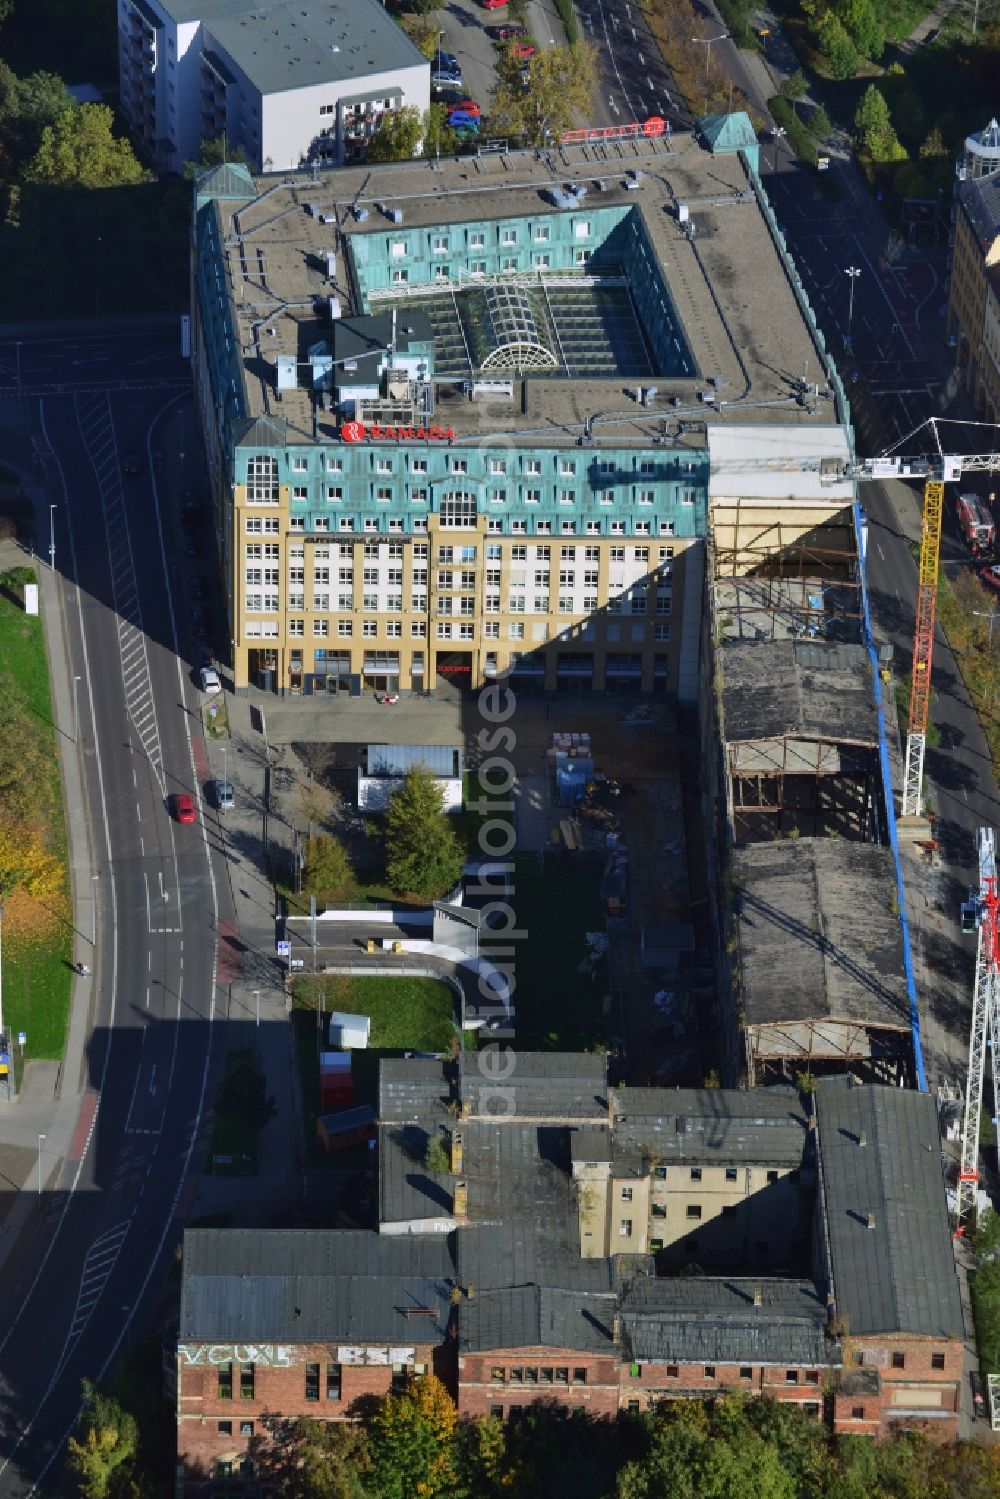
(797, 132)
(567, 16)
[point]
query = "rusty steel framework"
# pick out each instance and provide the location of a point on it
(923, 647)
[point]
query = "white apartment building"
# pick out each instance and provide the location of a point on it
(289, 84)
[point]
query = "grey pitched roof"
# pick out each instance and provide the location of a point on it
(541, 1085)
(980, 198)
(490, 1256)
(307, 1285)
(898, 1275)
(260, 432)
(230, 180)
(810, 690)
(704, 1320)
(819, 933)
(537, 1317)
(764, 1125)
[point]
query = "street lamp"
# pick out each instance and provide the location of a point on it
(981, 614)
(52, 537)
(224, 762)
(440, 35)
(723, 36)
(852, 271)
(40, 1139)
(779, 134)
(93, 905)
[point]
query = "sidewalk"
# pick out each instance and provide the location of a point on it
(37, 1145)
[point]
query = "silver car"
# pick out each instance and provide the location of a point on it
(224, 798)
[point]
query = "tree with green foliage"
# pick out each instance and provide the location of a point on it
(560, 85)
(327, 868)
(423, 854)
(308, 1459)
(934, 148)
(411, 1440)
(436, 1158)
(27, 105)
(819, 123)
(861, 22)
(215, 151)
(80, 149)
(836, 46)
(439, 138)
(794, 87)
(876, 137)
(103, 1451)
(397, 136)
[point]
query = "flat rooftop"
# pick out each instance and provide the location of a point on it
(740, 327)
(819, 933)
(281, 45)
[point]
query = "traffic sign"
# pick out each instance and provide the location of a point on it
(283, 949)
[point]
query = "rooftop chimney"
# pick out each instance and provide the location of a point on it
(862, 1138)
(460, 1200)
(757, 1298)
(871, 1220)
(457, 1152)
(616, 1328)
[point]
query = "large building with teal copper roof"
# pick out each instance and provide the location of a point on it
(463, 416)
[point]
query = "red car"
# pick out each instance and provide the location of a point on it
(493, 4)
(521, 51)
(184, 807)
(466, 107)
(990, 576)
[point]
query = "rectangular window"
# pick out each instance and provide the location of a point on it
(496, 1374)
(312, 1381)
(746, 1372)
(625, 1228)
(696, 1173)
(562, 1376)
(898, 1360)
(626, 1194)
(858, 1412)
(579, 1376)
(772, 1177)
(693, 1211)
(224, 1428)
(937, 1360)
(333, 1381)
(791, 1376)
(673, 1371)
(545, 1376)
(246, 1381)
(225, 1389)
(812, 1376)
(730, 1173)
(709, 1371)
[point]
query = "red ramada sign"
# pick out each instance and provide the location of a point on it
(358, 432)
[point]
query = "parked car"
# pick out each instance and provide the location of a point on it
(132, 463)
(990, 576)
(467, 106)
(493, 4)
(204, 655)
(461, 120)
(507, 31)
(521, 51)
(199, 622)
(189, 545)
(183, 806)
(443, 95)
(443, 60)
(208, 679)
(196, 587)
(450, 79)
(224, 797)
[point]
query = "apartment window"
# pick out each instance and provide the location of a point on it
(746, 1372)
(296, 628)
(439, 244)
(345, 628)
(246, 1381)
(709, 1371)
(791, 1376)
(321, 628)
(496, 1374)
(673, 1371)
(530, 1375)
(312, 1381)
(660, 1173)
(625, 1228)
(937, 1360)
(731, 1173)
(693, 1211)
(542, 262)
(898, 1360)
(496, 1411)
(224, 1428)
(772, 1177)
(509, 263)
(541, 234)
(516, 1375)
(812, 1376)
(562, 1376)
(858, 1412)
(508, 237)
(579, 1376)
(545, 1376)
(696, 1173)
(477, 240)
(662, 632)
(581, 229)
(262, 481)
(626, 1194)
(225, 1387)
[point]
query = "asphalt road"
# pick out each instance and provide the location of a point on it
(113, 1216)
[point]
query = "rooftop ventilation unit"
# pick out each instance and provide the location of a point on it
(361, 214)
(331, 264)
(707, 397)
(683, 213)
(396, 215)
(334, 308)
(288, 377)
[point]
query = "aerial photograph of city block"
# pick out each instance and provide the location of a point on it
(499, 749)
